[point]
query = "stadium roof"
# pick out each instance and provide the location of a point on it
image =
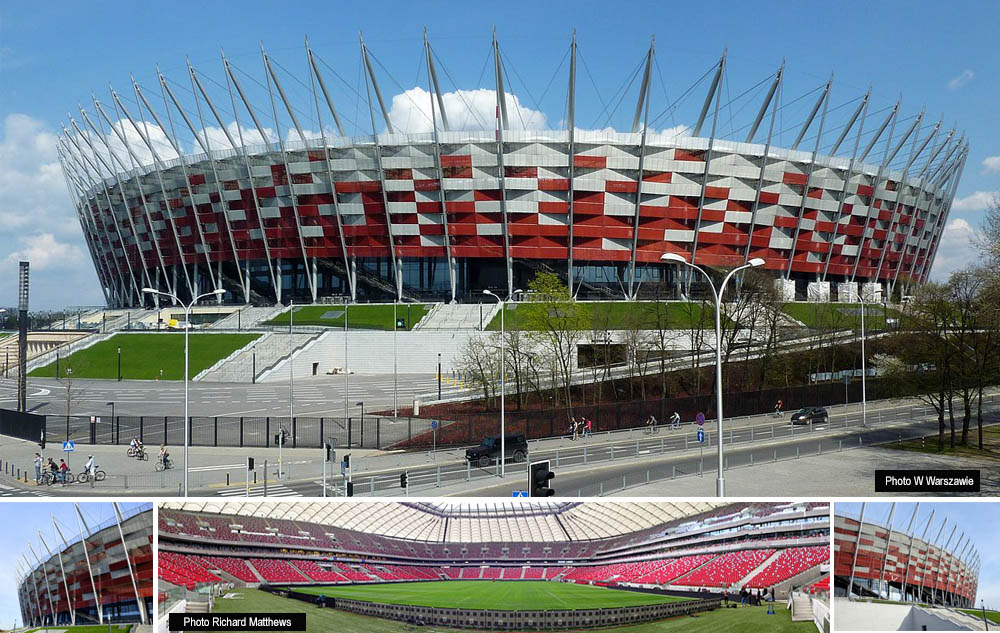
(468, 522)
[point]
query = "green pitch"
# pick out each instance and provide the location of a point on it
(362, 316)
(613, 315)
(742, 620)
(145, 355)
(484, 594)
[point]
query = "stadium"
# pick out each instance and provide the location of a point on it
(100, 572)
(540, 566)
(209, 183)
(889, 577)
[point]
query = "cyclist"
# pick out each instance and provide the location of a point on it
(675, 420)
(53, 469)
(778, 408)
(63, 470)
(89, 466)
(164, 456)
(137, 448)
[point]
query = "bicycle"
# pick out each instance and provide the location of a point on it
(163, 464)
(48, 478)
(84, 477)
(138, 453)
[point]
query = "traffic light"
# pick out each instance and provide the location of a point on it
(402, 480)
(249, 463)
(347, 460)
(539, 476)
(350, 489)
(331, 454)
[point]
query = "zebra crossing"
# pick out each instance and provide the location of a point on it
(273, 490)
(11, 491)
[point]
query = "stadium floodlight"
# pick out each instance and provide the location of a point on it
(539, 476)
(218, 292)
(720, 483)
(503, 377)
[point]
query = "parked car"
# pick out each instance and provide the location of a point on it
(810, 415)
(516, 448)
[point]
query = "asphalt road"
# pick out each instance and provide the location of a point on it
(320, 396)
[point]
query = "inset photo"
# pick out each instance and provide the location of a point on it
(76, 567)
(916, 566)
(533, 566)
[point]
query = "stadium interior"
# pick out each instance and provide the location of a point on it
(688, 550)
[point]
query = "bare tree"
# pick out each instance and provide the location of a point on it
(479, 359)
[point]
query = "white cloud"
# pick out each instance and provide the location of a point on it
(992, 164)
(38, 220)
(961, 79)
(957, 250)
(976, 201)
(410, 111)
(45, 252)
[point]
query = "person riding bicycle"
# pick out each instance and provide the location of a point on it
(779, 407)
(164, 455)
(53, 468)
(138, 449)
(675, 420)
(650, 424)
(63, 470)
(89, 466)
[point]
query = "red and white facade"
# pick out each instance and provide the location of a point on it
(448, 213)
(902, 566)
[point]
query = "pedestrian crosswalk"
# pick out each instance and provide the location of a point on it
(273, 490)
(11, 491)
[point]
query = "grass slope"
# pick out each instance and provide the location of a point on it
(360, 316)
(743, 620)
(992, 616)
(616, 315)
(144, 355)
(838, 316)
(990, 451)
(483, 594)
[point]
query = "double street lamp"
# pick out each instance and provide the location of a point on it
(187, 328)
(720, 483)
(503, 379)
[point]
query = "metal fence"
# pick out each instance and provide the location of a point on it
(25, 426)
(375, 432)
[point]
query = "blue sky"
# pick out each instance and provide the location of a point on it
(30, 518)
(978, 519)
(54, 55)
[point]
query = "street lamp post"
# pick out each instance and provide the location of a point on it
(720, 483)
(395, 366)
(439, 376)
(864, 395)
(187, 329)
(119, 363)
(503, 378)
(362, 405)
(69, 395)
(112, 405)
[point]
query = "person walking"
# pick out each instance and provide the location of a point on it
(588, 429)
(38, 468)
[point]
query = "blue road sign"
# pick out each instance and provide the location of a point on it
(519, 493)
(700, 418)
(701, 435)
(434, 425)
(69, 447)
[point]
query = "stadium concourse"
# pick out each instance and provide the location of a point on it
(590, 564)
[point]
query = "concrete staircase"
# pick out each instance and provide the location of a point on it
(759, 568)
(458, 316)
(255, 572)
(247, 317)
(270, 350)
(801, 607)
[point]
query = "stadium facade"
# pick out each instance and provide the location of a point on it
(923, 564)
(103, 578)
(319, 216)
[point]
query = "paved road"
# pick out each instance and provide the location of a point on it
(319, 396)
(585, 467)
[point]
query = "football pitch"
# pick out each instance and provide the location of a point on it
(322, 620)
(515, 595)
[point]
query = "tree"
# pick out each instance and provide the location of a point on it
(556, 323)
(479, 359)
(989, 239)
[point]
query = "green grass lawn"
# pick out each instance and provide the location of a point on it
(992, 616)
(361, 316)
(90, 628)
(836, 316)
(615, 315)
(144, 355)
(742, 620)
(483, 594)
(991, 443)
